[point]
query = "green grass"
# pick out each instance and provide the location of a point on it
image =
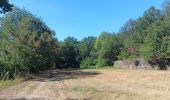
(84, 90)
(7, 83)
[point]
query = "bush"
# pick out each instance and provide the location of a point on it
(123, 55)
(87, 63)
(101, 63)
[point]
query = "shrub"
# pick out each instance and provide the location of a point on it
(87, 63)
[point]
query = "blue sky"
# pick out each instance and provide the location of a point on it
(81, 18)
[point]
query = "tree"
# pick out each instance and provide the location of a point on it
(128, 26)
(134, 31)
(27, 44)
(69, 53)
(108, 48)
(5, 6)
(156, 45)
(151, 15)
(85, 46)
(87, 52)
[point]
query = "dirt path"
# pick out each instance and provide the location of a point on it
(48, 86)
(93, 85)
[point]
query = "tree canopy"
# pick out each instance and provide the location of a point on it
(27, 44)
(5, 6)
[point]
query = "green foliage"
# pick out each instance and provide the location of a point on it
(134, 32)
(86, 46)
(27, 44)
(156, 43)
(88, 62)
(87, 52)
(69, 53)
(148, 36)
(168, 46)
(108, 48)
(123, 55)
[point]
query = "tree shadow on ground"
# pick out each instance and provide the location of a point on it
(59, 75)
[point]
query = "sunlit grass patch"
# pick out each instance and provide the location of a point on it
(83, 90)
(7, 83)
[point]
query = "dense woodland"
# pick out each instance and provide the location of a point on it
(28, 45)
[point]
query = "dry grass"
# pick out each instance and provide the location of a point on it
(99, 84)
(5, 84)
(119, 84)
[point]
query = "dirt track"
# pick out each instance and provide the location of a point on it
(48, 86)
(93, 85)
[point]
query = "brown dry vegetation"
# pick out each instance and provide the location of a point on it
(103, 84)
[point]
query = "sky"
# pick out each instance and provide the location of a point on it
(82, 18)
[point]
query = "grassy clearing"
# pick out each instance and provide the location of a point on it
(120, 84)
(96, 84)
(8, 83)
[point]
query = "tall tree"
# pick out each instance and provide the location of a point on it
(27, 44)
(134, 31)
(108, 48)
(85, 46)
(156, 42)
(69, 53)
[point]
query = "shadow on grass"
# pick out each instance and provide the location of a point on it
(59, 75)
